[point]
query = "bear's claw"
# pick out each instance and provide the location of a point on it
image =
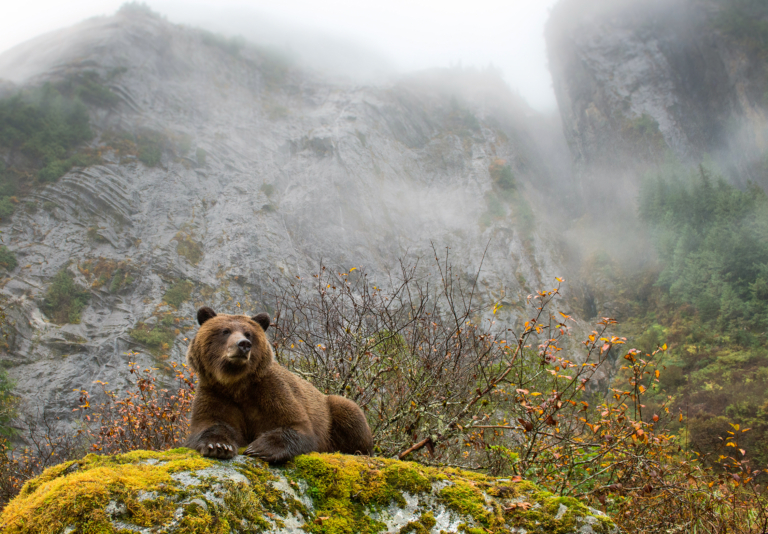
(256, 452)
(222, 451)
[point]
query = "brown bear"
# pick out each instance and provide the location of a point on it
(244, 397)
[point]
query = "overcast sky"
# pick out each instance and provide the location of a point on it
(405, 34)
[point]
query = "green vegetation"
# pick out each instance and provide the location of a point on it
(501, 174)
(94, 235)
(188, 248)
(87, 86)
(7, 259)
(7, 207)
(267, 189)
(64, 300)
(643, 131)
(43, 124)
(178, 293)
(746, 21)
(150, 148)
(709, 302)
(147, 146)
(48, 125)
(8, 403)
(112, 274)
(213, 495)
(712, 240)
(158, 337)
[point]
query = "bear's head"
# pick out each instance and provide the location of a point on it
(227, 348)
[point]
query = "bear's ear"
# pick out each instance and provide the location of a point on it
(205, 313)
(263, 320)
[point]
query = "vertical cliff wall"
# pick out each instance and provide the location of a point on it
(638, 82)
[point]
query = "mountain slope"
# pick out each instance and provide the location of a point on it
(215, 166)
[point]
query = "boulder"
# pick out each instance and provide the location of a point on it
(179, 491)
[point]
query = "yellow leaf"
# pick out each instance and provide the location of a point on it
(657, 373)
(353, 269)
(664, 346)
(559, 279)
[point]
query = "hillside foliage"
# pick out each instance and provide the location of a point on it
(44, 129)
(710, 303)
(442, 386)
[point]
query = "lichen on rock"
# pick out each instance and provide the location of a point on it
(180, 492)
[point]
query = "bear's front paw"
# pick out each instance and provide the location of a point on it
(261, 449)
(257, 450)
(223, 451)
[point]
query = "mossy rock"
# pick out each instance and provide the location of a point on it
(179, 491)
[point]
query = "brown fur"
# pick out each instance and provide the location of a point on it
(245, 398)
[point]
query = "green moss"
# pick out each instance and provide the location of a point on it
(7, 207)
(347, 492)
(343, 488)
(467, 499)
(58, 168)
(77, 493)
(501, 173)
(158, 337)
(405, 477)
(65, 300)
(8, 406)
(189, 248)
(93, 235)
(178, 293)
(150, 146)
(104, 272)
(268, 189)
(7, 259)
(422, 526)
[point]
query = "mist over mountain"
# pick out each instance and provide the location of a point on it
(208, 166)
(149, 168)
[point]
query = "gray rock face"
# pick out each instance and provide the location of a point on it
(265, 172)
(635, 79)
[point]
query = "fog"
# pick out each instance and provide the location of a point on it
(349, 37)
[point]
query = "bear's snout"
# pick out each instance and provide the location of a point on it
(239, 348)
(244, 346)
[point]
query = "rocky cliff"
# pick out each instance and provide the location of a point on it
(189, 168)
(638, 82)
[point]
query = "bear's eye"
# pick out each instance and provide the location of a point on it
(247, 335)
(226, 331)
